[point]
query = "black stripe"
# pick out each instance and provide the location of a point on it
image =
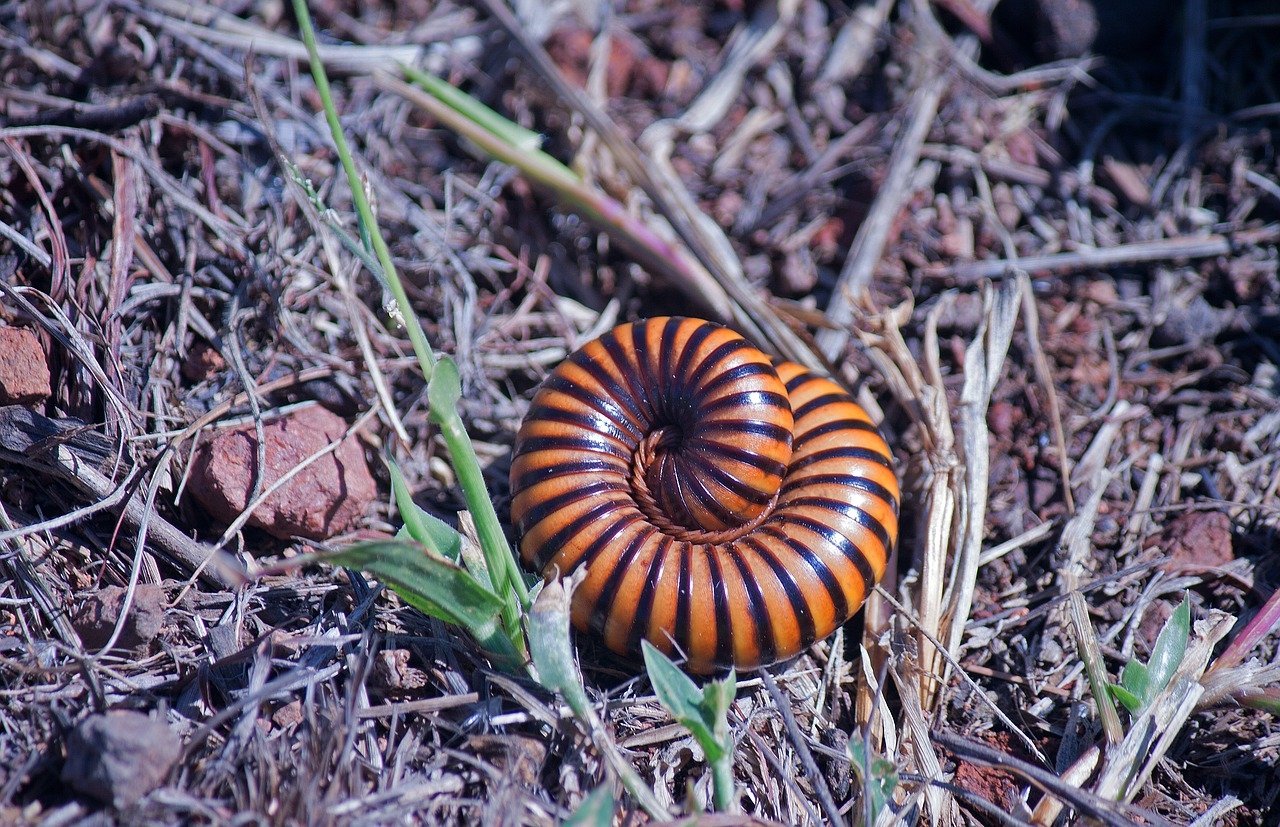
(831, 427)
(667, 381)
(713, 360)
(799, 381)
(843, 452)
(680, 375)
(734, 374)
(710, 472)
(849, 510)
(594, 422)
(569, 443)
(696, 489)
(743, 426)
(599, 544)
(846, 546)
(607, 405)
(644, 369)
(747, 399)
(821, 401)
(561, 538)
(683, 633)
(849, 481)
(756, 606)
(760, 461)
(586, 466)
(627, 370)
(785, 577)
(839, 600)
(609, 594)
(644, 607)
(551, 505)
(609, 384)
(724, 638)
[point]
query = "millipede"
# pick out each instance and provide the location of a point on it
(724, 505)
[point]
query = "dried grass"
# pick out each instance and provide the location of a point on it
(1060, 292)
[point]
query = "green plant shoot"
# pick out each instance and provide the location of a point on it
(1140, 683)
(705, 713)
(876, 776)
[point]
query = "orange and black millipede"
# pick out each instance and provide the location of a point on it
(731, 507)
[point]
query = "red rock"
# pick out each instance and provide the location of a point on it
(288, 715)
(992, 783)
(995, 785)
(325, 498)
(24, 372)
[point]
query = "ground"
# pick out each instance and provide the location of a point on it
(1041, 244)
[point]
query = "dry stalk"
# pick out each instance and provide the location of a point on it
(954, 480)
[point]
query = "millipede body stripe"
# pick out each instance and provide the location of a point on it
(764, 636)
(818, 566)
(724, 505)
(832, 428)
(724, 640)
(592, 400)
(609, 598)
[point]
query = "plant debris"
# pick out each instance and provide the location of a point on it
(1046, 256)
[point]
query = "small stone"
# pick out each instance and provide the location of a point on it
(1197, 538)
(120, 756)
(325, 498)
(287, 716)
(24, 371)
(994, 784)
(392, 672)
(95, 618)
(1000, 419)
(203, 360)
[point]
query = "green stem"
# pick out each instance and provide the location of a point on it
(722, 782)
(493, 542)
(1094, 671)
(498, 554)
(369, 227)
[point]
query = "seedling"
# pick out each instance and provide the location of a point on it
(1140, 683)
(704, 712)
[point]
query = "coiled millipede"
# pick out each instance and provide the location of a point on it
(722, 504)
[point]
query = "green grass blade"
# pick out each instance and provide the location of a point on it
(1130, 701)
(434, 586)
(1170, 647)
(1137, 682)
(681, 697)
(508, 131)
(426, 528)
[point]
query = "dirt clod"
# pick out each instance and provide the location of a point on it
(1197, 538)
(203, 360)
(995, 785)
